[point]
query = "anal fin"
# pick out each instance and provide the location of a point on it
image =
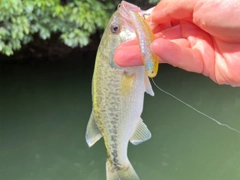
(92, 134)
(141, 133)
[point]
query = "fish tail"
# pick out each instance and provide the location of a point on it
(121, 173)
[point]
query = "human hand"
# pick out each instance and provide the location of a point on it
(196, 35)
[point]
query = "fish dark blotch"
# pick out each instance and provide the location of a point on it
(114, 122)
(114, 146)
(114, 153)
(115, 131)
(111, 114)
(114, 138)
(111, 109)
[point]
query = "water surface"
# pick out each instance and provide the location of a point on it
(45, 107)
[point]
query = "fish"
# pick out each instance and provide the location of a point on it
(118, 97)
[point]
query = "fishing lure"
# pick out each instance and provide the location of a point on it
(144, 35)
(145, 38)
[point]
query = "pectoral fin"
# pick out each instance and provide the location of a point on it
(141, 133)
(92, 134)
(148, 86)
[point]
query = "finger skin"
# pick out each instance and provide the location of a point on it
(128, 54)
(222, 21)
(177, 55)
(168, 10)
(133, 56)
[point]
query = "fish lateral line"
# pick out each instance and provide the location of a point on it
(194, 109)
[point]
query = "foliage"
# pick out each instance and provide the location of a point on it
(73, 20)
(153, 1)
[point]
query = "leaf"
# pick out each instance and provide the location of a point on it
(44, 33)
(74, 21)
(29, 8)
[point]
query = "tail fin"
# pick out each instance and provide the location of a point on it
(122, 174)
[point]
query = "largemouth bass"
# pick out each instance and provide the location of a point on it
(118, 95)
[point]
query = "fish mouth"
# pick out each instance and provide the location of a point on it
(124, 8)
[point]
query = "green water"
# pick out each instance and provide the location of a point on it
(45, 107)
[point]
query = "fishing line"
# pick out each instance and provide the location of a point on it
(196, 110)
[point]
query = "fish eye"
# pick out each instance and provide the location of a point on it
(115, 28)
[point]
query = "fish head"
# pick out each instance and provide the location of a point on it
(118, 30)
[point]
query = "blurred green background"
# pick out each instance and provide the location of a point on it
(45, 103)
(70, 21)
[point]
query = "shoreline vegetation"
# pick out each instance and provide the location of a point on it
(53, 29)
